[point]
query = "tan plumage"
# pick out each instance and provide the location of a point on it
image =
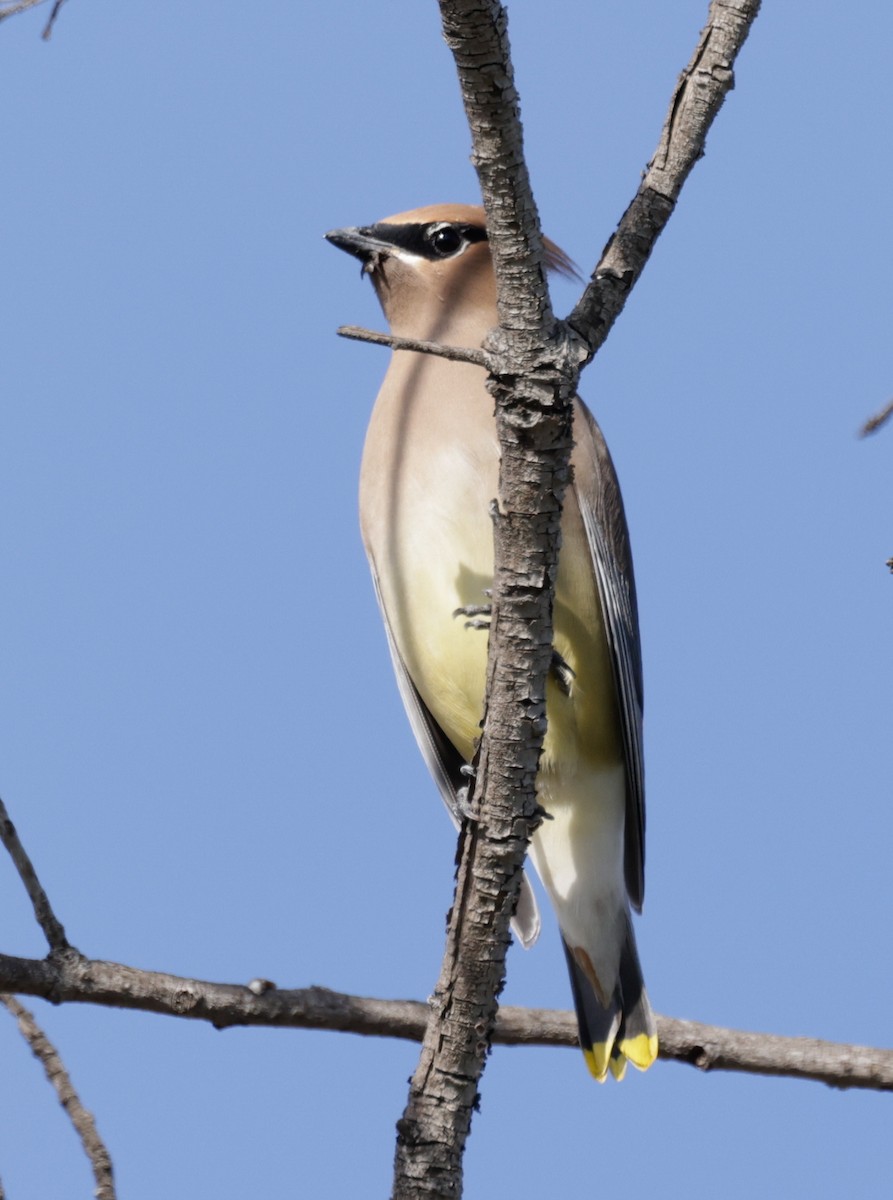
(428, 476)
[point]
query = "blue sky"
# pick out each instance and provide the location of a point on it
(200, 738)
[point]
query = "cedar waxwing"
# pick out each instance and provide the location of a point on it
(428, 476)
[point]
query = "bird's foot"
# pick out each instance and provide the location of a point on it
(478, 614)
(539, 815)
(463, 794)
(465, 808)
(561, 672)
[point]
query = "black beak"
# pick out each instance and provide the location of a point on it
(360, 242)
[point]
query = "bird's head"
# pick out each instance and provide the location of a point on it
(432, 270)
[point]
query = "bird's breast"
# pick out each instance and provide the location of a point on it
(429, 475)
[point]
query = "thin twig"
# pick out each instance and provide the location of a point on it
(75, 979)
(20, 6)
(479, 358)
(875, 422)
(85, 1127)
(46, 918)
(52, 21)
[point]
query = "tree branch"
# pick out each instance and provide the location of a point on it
(79, 980)
(13, 7)
(85, 1127)
(479, 358)
(533, 380)
(48, 28)
(46, 918)
(699, 95)
(880, 418)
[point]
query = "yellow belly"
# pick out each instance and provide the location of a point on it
(445, 565)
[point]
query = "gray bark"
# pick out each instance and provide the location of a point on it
(533, 380)
(70, 978)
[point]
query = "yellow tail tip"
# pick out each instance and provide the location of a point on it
(597, 1060)
(617, 1065)
(640, 1050)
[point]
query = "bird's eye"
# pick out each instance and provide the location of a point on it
(445, 240)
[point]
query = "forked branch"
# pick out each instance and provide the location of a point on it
(533, 383)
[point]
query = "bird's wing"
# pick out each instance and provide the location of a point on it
(601, 505)
(445, 762)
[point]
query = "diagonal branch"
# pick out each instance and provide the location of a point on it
(699, 95)
(51, 21)
(880, 418)
(46, 918)
(12, 8)
(84, 1125)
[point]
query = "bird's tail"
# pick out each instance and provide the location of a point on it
(625, 1030)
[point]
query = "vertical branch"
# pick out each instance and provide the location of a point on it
(537, 363)
(476, 32)
(533, 382)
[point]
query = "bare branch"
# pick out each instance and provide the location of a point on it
(713, 1048)
(46, 918)
(12, 7)
(480, 358)
(48, 29)
(879, 419)
(75, 979)
(476, 31)
(533, 382)
(85, 1127)
(699, 95)
(20, 6)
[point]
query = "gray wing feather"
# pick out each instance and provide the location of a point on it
(445, 762)
(601, 505)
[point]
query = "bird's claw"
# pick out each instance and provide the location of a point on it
(539, 815)
(476, 613)
(562, 672)
(463, 803)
